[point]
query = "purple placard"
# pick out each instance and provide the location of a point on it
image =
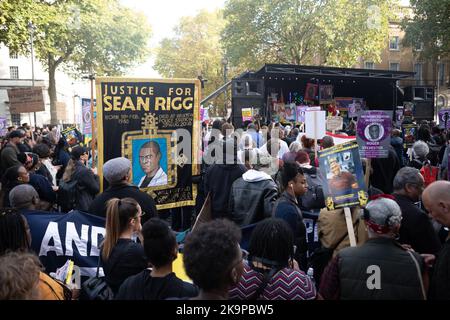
(399, 116)
(202, 114)
(3, 126)
(301, 113)
(355, 108)
(373, 134)
(443, 114)
(86, 115)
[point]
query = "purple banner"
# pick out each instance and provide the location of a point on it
(3, 126)
(443, 115)
(86, 115)
(355, 109)
(374, 134)
(301, 113)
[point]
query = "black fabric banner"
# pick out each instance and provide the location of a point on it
(155, 124)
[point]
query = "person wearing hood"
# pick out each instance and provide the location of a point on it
(252, 196)
(220, 176)
(397, 144)
(313, 199)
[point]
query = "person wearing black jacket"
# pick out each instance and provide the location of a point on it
(416, 228)
(158, 282)
(287, 208)
(252, 196)
(436, 199)
(121, 257)
(87, 181)
(220, 177)
(384, 171)
(117, 172)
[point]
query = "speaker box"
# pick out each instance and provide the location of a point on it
(247, 88)
(419, 93)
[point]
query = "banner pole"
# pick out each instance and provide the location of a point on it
(91, 77)
(367, 173)
(349, 221)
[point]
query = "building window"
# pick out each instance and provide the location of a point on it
(369, 65)
(13, 55)
(441, 75)
(394, 66)
(15, 119)
(14, 72)
(393, 43)
(418, 71)
(418, 46)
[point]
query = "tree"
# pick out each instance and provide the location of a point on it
(430, 26)
(88, 36)
(194, 50)
(327, 32)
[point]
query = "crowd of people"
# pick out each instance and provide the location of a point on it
(256, 245)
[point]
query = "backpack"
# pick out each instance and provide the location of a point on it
(429, 173)
(67, 195)
(313, 198)
(433, 154)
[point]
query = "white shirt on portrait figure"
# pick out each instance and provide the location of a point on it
(159, 179)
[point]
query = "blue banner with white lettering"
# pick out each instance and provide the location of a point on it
(312, 235)
(58, 237)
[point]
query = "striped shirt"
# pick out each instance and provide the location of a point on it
(286, 284)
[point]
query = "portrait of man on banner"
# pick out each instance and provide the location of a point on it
(311, 92)
(326, 93)
(341, 180)
(374, 132)
(150, 162)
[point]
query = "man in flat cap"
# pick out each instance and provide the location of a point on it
(117, 172)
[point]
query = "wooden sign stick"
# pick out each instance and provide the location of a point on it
(349, 221)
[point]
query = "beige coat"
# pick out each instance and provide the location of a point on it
(332, 227)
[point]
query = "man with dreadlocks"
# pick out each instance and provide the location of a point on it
(271, 273)
(15, 236)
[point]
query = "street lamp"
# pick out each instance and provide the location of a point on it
(31, 29)
(225, 92)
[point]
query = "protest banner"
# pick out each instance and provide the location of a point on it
(86, 115)
(311, 92)
(409, 134)
(61, 111)
(24, 100)
(73, 137)
(374, 134)
(315, 126)
(444, 118)
(334, 123)
(356, 107)
(301, 110)
(325, 94)
(342, 167)
(3, 126)
(246, 114)
(155, 124)
(57, 237)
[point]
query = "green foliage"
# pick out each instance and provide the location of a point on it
(87, 36)
(195, 50)
(429, 24)
(326, 32)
